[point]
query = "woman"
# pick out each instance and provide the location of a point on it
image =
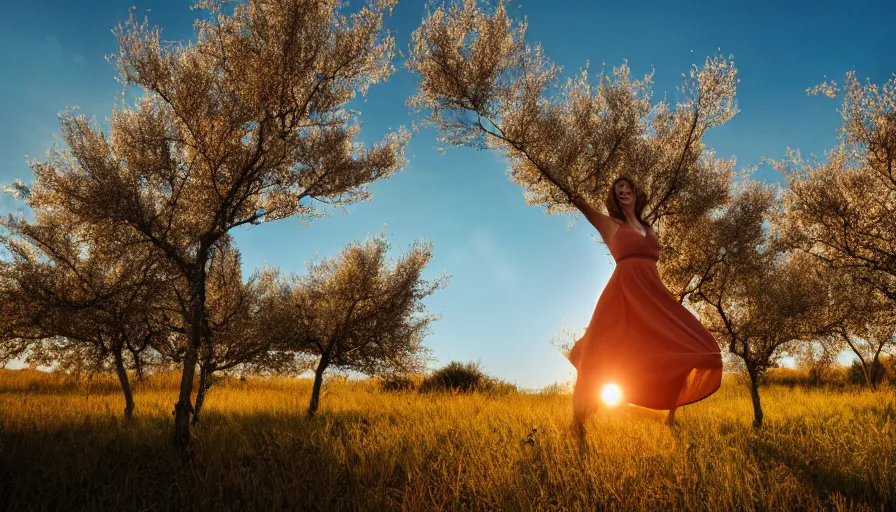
(640, 338)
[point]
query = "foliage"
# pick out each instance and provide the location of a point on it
(482, 86)
(817, 358)
(247, 124)
(76, 305)
(755, 297)
(460, 377)
(360, 311)
(843, 210)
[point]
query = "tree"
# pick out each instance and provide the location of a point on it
(756, 298)
(760, 313)
(715, 264)
(242, 318)
(860, 315)
(360, 312)
(843, 210)
(247, 124)
(78, 306)
(244, 326)
(868, 336)
(759, 299)
(483, 87)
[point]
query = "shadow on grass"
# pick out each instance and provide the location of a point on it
(823, 474)
(248, 462)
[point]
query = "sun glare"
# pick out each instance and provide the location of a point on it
(611, 394)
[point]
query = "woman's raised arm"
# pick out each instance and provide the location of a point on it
(605, 225)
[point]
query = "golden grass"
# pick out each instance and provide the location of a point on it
(369, 450)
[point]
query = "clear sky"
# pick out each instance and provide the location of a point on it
(517, 273)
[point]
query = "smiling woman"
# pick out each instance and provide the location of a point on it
(640, 338)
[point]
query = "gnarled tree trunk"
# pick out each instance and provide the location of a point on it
(205, 382)
(183, 409)
(125, 383)
(754, 394)
(318, 380)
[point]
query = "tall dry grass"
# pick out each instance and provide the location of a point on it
(368, 450)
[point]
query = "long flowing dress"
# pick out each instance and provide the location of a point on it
(641, 338)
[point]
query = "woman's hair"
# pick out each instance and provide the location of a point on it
(613, 208)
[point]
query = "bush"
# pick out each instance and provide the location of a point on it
(461, 377)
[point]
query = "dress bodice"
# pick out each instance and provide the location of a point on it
(628, 243)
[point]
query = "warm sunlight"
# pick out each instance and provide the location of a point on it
(394, 254)
(611, 394)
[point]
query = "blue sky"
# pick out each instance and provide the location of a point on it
(517, 273)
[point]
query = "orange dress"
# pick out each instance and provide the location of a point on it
(641, 338)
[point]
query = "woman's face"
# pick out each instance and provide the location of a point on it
(624, 194)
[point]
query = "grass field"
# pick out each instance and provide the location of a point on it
(62, 449)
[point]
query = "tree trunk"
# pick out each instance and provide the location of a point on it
(318, 380)
(866, 371)
(877, 372)
(754, 394)
(184, 407)
(205, 382)
(125, 384)
(869, 377)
